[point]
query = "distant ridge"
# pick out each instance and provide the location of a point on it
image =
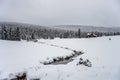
(88, 28)
(20, 24)
(65, 27)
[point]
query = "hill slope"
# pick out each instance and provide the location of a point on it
(64, 27)
(88, 28)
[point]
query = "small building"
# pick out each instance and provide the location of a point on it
(89, 35)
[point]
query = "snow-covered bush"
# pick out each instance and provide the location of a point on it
(20, 76)
(84, 62)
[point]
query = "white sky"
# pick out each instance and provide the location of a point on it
(60, 12)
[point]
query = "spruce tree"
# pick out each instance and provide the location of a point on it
(79, 33)
(4, 35)
(17, 34)
(10, 34)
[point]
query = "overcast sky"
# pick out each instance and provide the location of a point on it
(60, 12)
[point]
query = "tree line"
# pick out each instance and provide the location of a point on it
(10, 32)
(17, 33)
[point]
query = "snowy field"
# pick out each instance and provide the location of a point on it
(25, 56)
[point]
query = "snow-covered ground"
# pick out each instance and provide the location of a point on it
(26, 56)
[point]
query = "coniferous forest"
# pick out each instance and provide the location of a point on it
(17, 31)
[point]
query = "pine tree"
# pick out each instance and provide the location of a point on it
(79, 33)
(4, 35)
(10, 34)
(17, 35)
(33, 36)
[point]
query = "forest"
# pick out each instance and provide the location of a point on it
(17, 32)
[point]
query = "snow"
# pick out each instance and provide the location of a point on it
(15, 56)
(26, 56)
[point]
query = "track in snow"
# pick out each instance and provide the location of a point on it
(62, 60)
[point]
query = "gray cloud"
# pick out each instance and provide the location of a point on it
(55, 12)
